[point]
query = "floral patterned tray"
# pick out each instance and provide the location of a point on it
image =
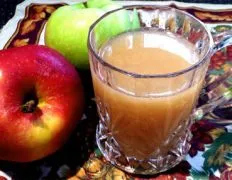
(210, 156)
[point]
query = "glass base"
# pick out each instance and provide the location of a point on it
(153, 165)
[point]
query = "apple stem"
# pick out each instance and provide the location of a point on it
(29, 106)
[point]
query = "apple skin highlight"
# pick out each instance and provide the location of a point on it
(29, 136)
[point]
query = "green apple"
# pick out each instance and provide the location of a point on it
(79, 5)
(111, 6)
(116, 23)
(135, 20)
(98, 3)
(67, 31)
(122, 18)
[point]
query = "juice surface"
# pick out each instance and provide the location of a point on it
(145, 112)
(147, 52)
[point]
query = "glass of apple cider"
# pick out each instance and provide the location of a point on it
(148, 65)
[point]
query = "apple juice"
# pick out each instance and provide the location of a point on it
(144, 113)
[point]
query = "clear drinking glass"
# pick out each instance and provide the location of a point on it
(148, 132)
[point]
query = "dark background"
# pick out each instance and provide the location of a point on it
(7, 7)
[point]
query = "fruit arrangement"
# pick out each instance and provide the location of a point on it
(41, 94)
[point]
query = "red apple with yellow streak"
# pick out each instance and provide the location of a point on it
(41, 100)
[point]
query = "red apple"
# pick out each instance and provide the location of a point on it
(41, 100)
